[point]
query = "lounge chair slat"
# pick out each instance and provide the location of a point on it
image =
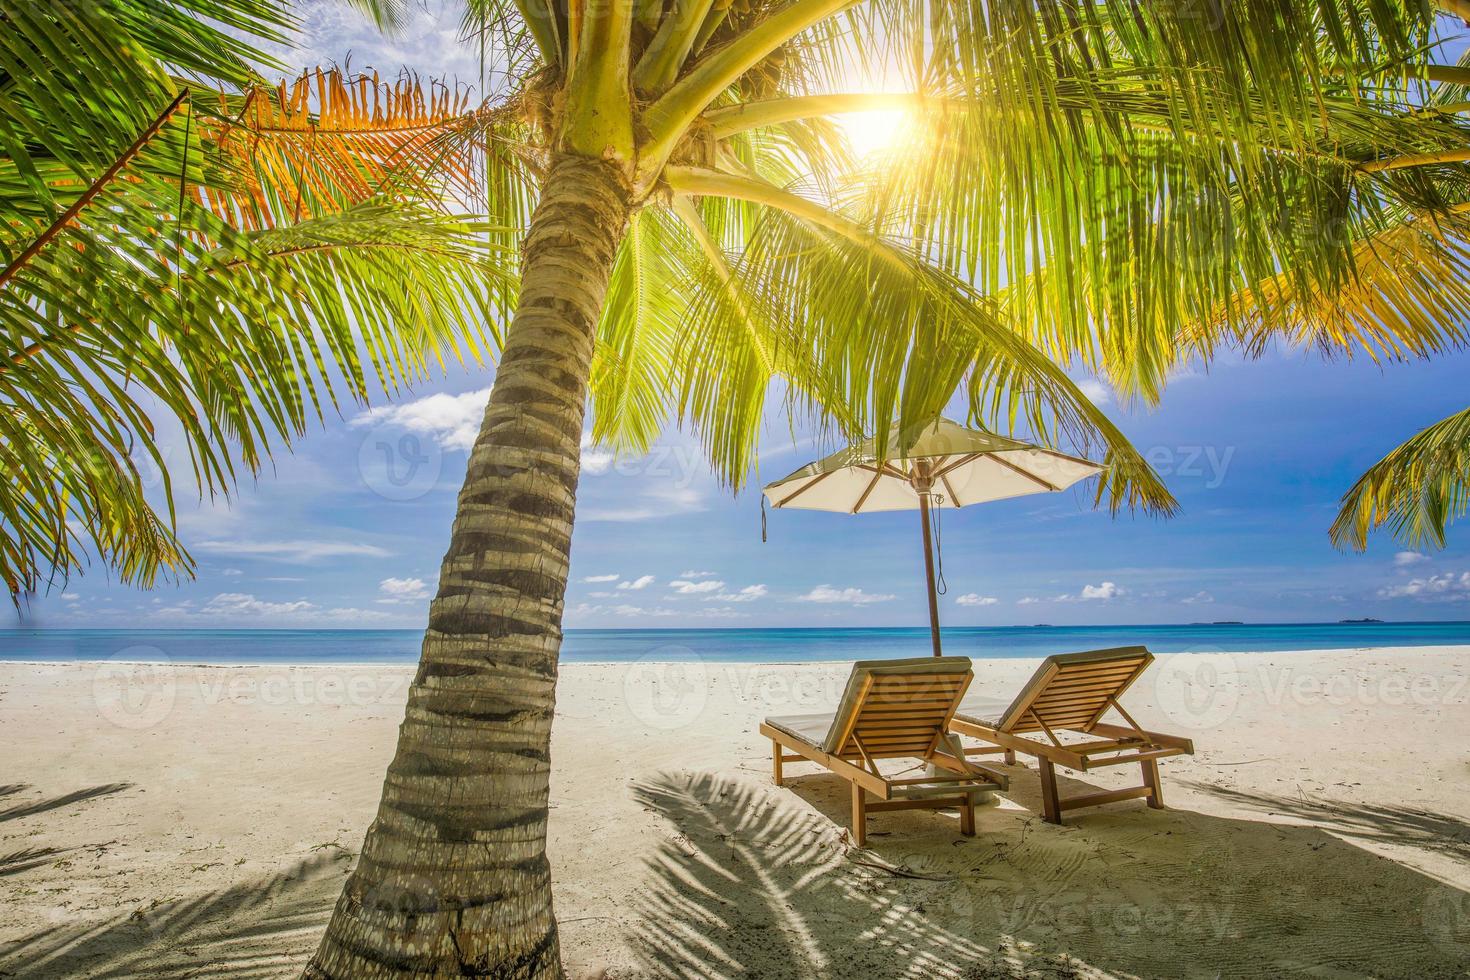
(923, 702)
(898, 714)
(1064, 683)
(1100, 667)
(1073, 720)
(1109, 685)
(1070, 701)
(889, 710)
(1079, 676)
(872, 735)
(1071, 693)
(907, 728)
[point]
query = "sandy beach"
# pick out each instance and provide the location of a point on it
(198, 821)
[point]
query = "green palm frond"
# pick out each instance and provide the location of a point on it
(640, 325)
(1416, 491)
(897, 336)
(1407, 294)
(244, 343)
(251, 261)
(1143, 232)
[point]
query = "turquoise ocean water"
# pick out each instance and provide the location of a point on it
(737, 645)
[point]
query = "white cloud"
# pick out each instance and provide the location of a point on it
(1199, 598)
(232, 572)
(595, 461)
(601, 578)
(1104, 592)
(624, 610)
(661, 502)
(403, 589)
(452, 421)
(245, 604)
(304, 550)
(1448, 587)
(975, 599)
(1406, 558)
(696, 574)
(849, 596)
(351, 614)
(69, 597)
(1096, 392)
(685, 587)
(642, 582)
(748, 594)
(722, 612)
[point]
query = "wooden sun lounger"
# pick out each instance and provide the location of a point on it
(891, 709)
(1072, 693)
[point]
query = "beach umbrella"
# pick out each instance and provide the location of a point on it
(947, 465)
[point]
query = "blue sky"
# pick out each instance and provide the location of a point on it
(349, 530)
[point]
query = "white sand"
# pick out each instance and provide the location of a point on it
(202, 825)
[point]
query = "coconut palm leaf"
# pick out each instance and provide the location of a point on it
(1416, 491)
(250, 260)
(243, 344)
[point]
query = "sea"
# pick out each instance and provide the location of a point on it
(241, 646)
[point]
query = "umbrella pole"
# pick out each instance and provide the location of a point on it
(929, 572)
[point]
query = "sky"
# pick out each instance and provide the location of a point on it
(348, 530)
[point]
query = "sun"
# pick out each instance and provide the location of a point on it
(876, 133)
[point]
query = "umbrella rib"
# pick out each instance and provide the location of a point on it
(1030, 476)
(877, 475)
(954, 498)
(968, 458)
(804, 488)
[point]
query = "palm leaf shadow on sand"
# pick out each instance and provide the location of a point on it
(1409, 826)
(26, 858)
(749, 888)
(265, 927)
(752, 885)
(56, 802)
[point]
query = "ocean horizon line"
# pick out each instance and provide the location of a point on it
(924, 628)
(805, 644)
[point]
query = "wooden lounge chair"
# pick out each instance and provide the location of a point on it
(1071, 693)
(891, 709)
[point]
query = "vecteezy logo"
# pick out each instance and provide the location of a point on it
(399, 464)
(667, 687)
(135, 688)
(1198, 690)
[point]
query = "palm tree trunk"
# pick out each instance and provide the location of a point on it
(453, 879)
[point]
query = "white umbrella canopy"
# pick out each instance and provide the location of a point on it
(960, 466)
(947, 465)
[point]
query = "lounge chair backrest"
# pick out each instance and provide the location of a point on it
(897, 707)
(1074, 690)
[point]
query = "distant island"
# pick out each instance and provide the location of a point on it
(1364, 620)
(1227, 622)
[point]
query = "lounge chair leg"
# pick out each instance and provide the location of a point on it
(1153, 782)
(859, 817)
(776, 761)
(967, 817)
(1051, 806)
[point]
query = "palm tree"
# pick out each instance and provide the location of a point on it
(1107, 184)
(183, 246)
